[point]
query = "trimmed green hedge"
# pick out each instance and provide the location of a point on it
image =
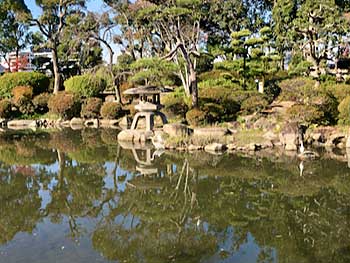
(38, 81)
(86, 85)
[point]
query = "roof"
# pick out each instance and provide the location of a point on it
(147, 90)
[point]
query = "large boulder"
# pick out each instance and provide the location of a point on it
(215, 132)
(336, 139)
(76, 123)
(176, 129)
(215, 147)
(135, 135)
(21, 124)
(289, 136)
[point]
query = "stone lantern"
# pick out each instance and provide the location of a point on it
(148, 108)
(149, 105)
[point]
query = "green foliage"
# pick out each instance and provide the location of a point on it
(196, 117)
(38, 81)
(40, 102)
(297, 89)
(320, 103)
(91, 108)
(5, 108)
(87, 85)
(66, 105)
(306, 114)
(153, 71)
(340, 91)
(111, 110)
(175, 104)
(227, 101)
(22, 99)
(344, 111)
(254, 103)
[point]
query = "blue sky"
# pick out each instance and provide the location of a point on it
(92, 5)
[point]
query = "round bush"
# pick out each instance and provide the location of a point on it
(344, 111)
(224, 98)
(196, 117)
(38, 81)
(64, 104)
(111, 110)
(22, 99)
(213, 112)
(254, 103)
(41, 102)
(87, 85)
(306, 114)
(175, 105)
(91, 108)
(5, 108)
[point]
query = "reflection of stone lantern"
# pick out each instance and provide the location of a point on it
(148, 107)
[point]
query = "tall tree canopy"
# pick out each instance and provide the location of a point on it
(51, 23)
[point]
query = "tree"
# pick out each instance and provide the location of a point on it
(51, 24)
(319, 27)
(14, 32)
(283, 14)
(100, 28)
(177, 27)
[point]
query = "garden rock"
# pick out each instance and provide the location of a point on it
(335, 139)
(176, 129)
(76, 122)
(192, 147)
(211, 132)
(289, 137)
(215, 147)
(93, 123)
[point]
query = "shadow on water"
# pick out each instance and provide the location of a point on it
(80, 196)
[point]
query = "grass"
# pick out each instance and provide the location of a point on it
(183, 141)
(246, 137)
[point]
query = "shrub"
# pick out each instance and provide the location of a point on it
(298, 89)
(64, 104)
(340, 91)
(254, 103)
(344, 111)
(111, 110)
(41, 102)
(91, 108)
(22, 99)
(328, 104)
(196, 117)
(5, 108)
(174, 104)
(22, 92)
(213, 112)
(306, 114)
(38, 81)
(87, 85)
(227, 99)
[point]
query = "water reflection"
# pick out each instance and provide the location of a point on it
(80, 196)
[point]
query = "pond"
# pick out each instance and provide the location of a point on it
(79, 196)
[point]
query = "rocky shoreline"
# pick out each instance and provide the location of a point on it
(75, 124)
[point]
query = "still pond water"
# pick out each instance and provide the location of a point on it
(79, 196)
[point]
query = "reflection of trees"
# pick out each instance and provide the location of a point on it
(20, 203)
(76, 193)
(181, 215)
(155, 220)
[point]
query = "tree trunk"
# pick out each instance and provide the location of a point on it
(117, 89)
(193, 87)
(111, 54)
(17, 60)
(56, 71)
